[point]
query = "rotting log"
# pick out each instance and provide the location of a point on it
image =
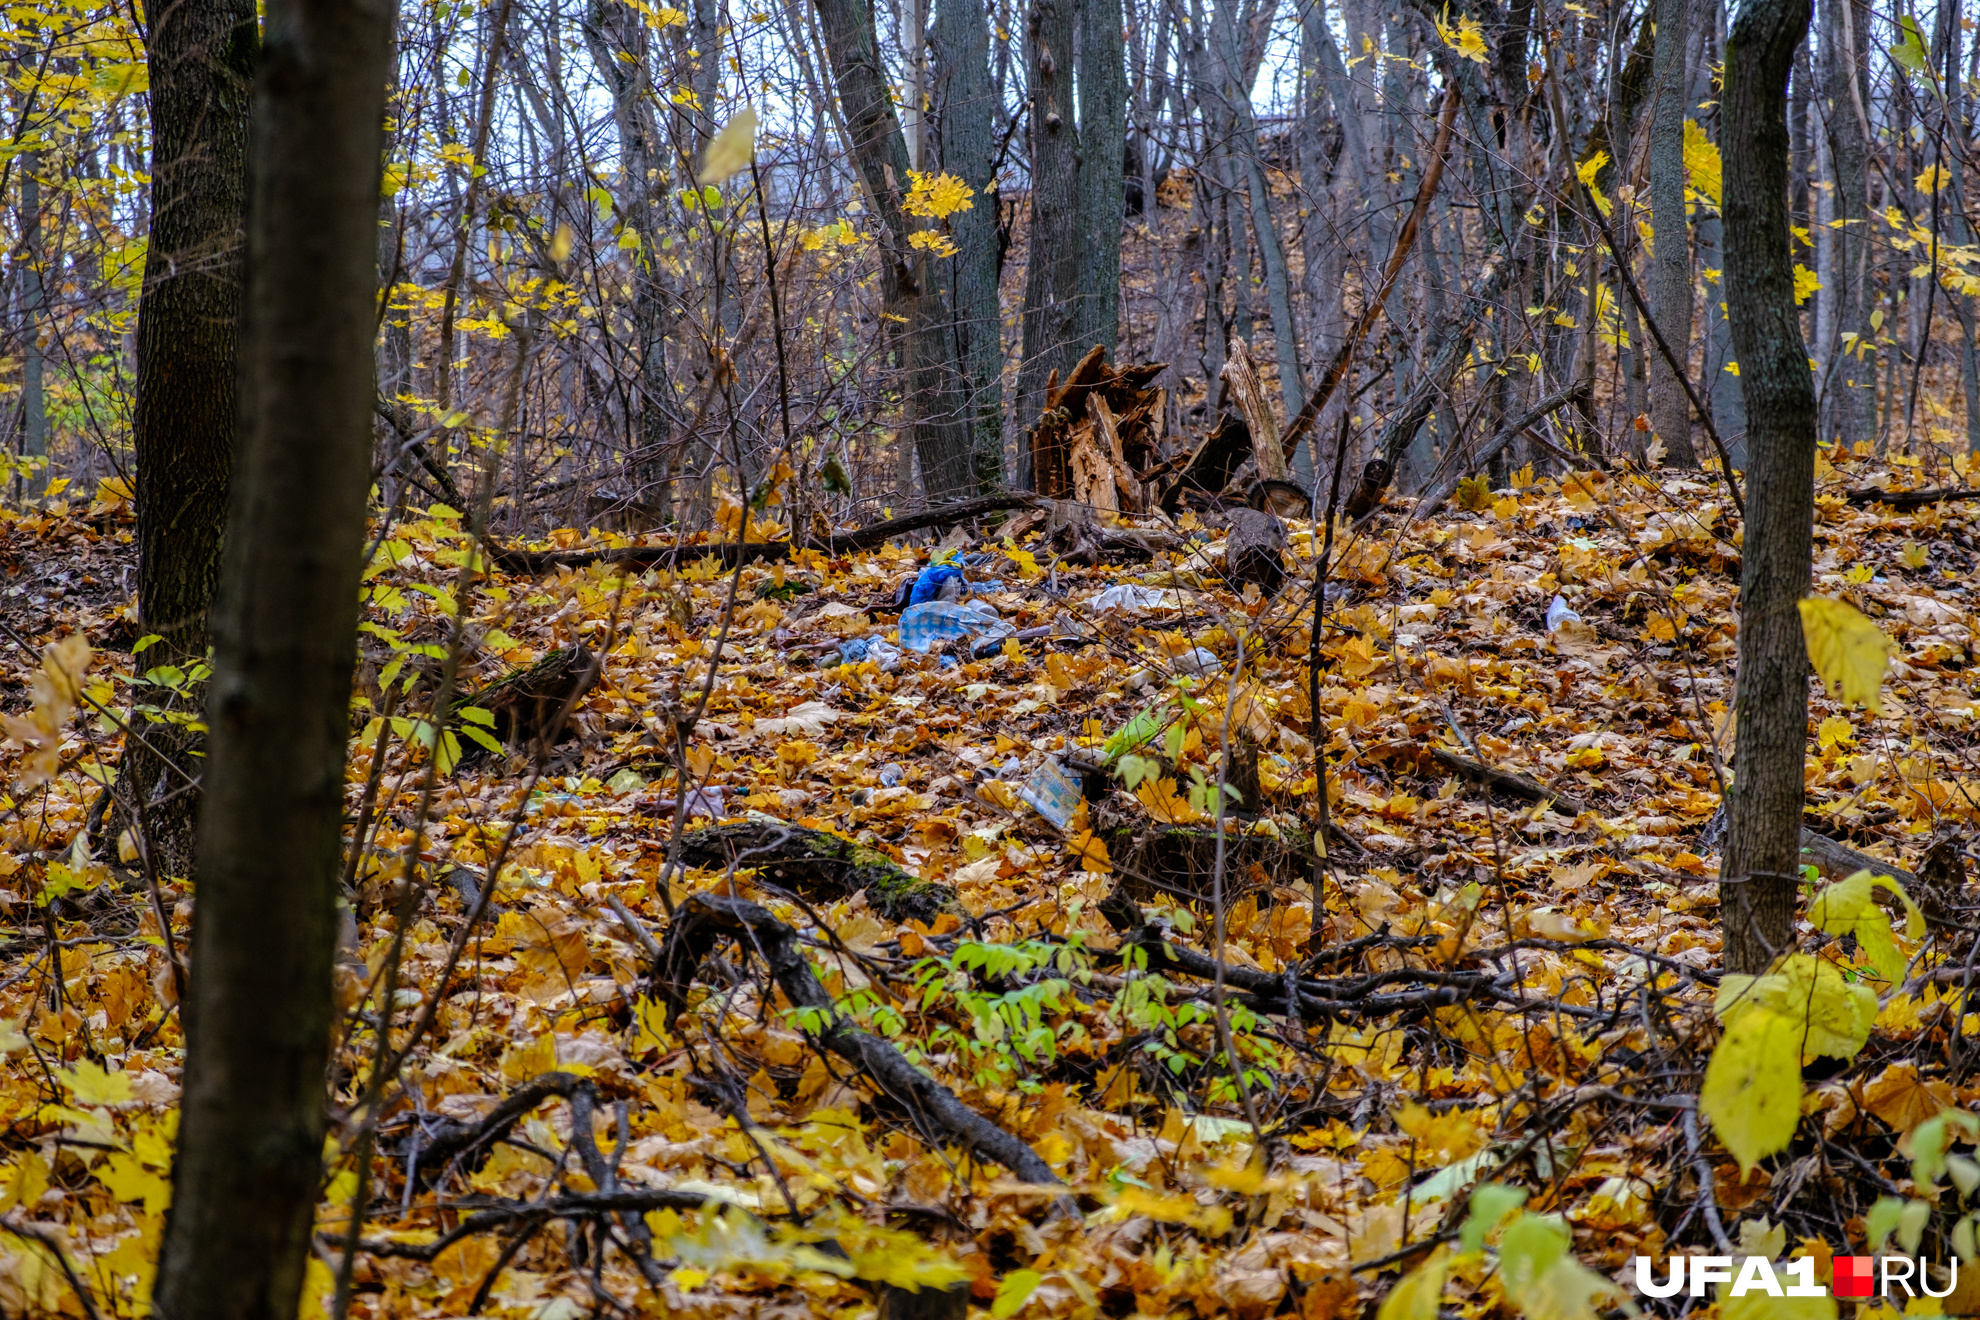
(816, 864)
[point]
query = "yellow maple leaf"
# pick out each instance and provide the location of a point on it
(1417, 1293)
(1464, 36)
(935, 196)
(1849, 652)
(1702, 163)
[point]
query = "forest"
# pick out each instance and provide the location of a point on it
(951, 658)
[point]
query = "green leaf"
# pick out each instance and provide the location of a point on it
(1910, 50)
(1134, 769)
(1541, 1276)
(1490, 1204)
(1012, 1293)
(144, 643)
(1137, 732)
(1752, 1092)
(477, 715)
(494, 744)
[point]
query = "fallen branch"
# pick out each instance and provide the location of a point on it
(705, 920)
(1506, 781)
(449, 1141)
(1910, 499)
(648, 556)
(586, 1206)
(1433, 498)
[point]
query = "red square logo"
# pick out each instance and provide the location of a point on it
(1852, 1276)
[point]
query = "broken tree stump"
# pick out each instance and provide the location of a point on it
(529, 704)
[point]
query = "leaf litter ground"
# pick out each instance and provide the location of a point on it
(1511, 982)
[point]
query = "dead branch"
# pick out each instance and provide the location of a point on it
(585, 1206)
(705, 920)
(648, 556)
(1910, 499)
(1506, 781)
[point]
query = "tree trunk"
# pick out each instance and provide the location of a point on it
(201, 56)
(965, 130)
(1051, 278)
(1102, 161)
(1236, 96)
(909, 280)
(1670, 267)
(1850, 398)
(34, 311)
(1762, 852)
(619, 44)
(259, 1008)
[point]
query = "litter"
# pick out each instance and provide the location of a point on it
(700, 802)
(1193, 663)
(1052, 793)
(1558, 613)
(1133, 600)
(927, 626)
(938, 582)
(890, 775)
(875, 648)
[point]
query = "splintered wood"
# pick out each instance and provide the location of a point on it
(1100, 439)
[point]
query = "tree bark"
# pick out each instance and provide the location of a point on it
(1102, 162)
(965, 131)
(1051, 277)
(34, 311)
(1850, 362)
(618, 40)
(1670, 267)
(1235, 93)
(259, 1007)
(908, 278)
(201, 55)
(1758, 873)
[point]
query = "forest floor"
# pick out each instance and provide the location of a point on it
(1510, 983)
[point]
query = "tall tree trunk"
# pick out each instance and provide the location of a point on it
(1721, 390)
(1762, 852)
(1670, 267)
(201, 55)
(965, 128)
(620, 46)
(1850, 399)
(1236, 96)
(1051, 277)
(259, 1007)
(1102, 160)
(908, 279)
(34, 314)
